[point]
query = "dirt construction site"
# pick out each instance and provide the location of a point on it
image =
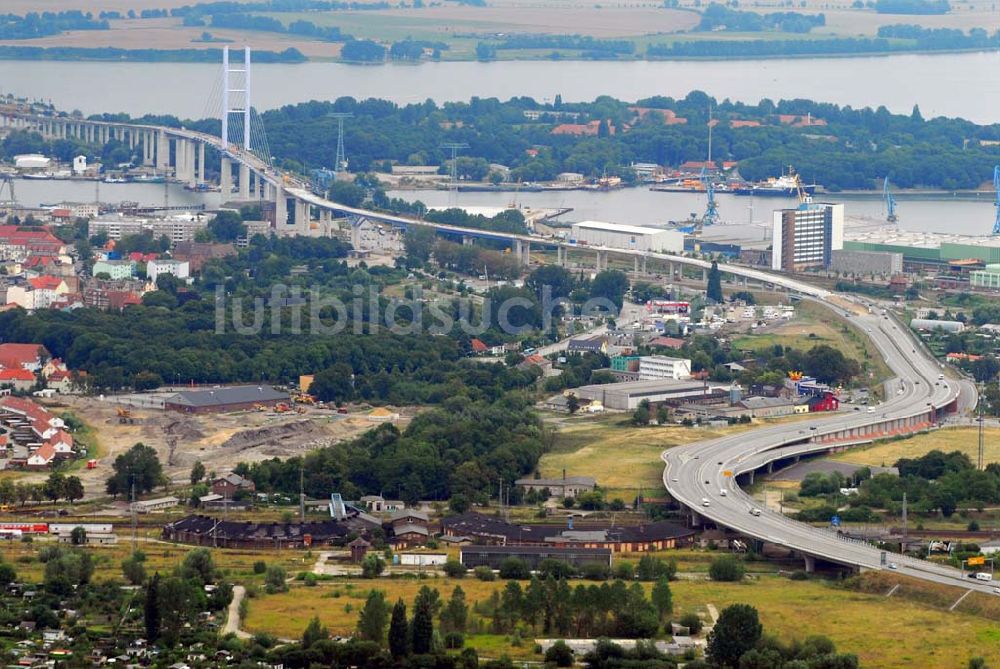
(220, 440)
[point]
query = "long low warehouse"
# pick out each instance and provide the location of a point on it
(627, 396)
(638, 238)
(493, 556)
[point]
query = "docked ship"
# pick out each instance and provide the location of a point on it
(787, 185)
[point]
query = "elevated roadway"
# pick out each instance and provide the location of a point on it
(703, 476)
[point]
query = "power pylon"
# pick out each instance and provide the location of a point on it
(455, 147)
(340, 160)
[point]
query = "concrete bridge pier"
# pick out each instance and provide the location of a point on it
(602, 260)
(670, 270)
(635, 268)
(301, 214)
(201, 163)
(810, 562)
(525, 257)
(560, 256)
(190, 170)
(162, 151)
(466, 240)
(147, 148)
(226, 178)
(704, 275)
(280, 210)
(244, 182)
(644, 259)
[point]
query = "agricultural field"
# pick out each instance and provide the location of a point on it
(461, 26)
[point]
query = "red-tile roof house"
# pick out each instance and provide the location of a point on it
(42, 423)
(737, 123)
(62, 444)
(478, 346)
(26, 356)
(42, 457)
(47, 282)
(590, 129)
(669, 116)
(18, 379)
(667, 342)
(799, 121)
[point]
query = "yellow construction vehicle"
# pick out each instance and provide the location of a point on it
(124, 416)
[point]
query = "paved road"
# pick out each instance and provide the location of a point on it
(694, 474)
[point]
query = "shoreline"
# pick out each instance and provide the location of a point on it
(196, 56)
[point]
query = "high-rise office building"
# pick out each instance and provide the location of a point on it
(805, 237)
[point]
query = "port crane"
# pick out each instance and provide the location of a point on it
(890, 202)
(996, 187)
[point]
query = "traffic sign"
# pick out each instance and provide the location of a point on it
(976, 560)
(727, 474)
(835, 521)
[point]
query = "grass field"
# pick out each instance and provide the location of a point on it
(883, 633)
(964, 439)
(815, 325)
(621, 457)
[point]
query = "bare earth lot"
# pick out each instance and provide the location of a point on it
(220, 441)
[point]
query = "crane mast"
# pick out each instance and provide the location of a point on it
(996, 203)
(890, 202)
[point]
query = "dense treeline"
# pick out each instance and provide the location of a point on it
(290, 55)
(855, 149)
(463, 448)
(580, 42)
(720, 17)
(912, 6)
(34, 25)
(938, 39)
(936, 481)
(229, 7)
(269, 24)
(363, 51)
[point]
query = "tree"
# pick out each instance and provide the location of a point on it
(139, 465)
(274, 579)
(334, 384)
(399, 637)
(419, 242)
(611, 285)
(422, 626)
(456, 612)
(133, 569)
(55, 486)
(572, 404)
(78, 536)
(458, 503)
(197, 472)
(726, 568)
(714, 289)
(315, 631)
(372, 565)
(198, 564)
(374, 617)
(227, 226)
(559, 654)
(151, 609)
(663, 598)
(514, 568)
(7, 573)
(737, 630)
(454, 569)
(73, 489)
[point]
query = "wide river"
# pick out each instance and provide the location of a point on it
(637, 206)
(964, 85)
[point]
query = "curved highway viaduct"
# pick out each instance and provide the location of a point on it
(704, 476)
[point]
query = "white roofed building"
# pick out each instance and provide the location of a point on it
(635, 237)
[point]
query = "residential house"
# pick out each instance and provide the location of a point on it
(20, 380)
(230, 484)
(42, 457)
(567, 486)
(23, 356)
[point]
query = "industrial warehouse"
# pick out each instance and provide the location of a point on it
(612, 235)
(489, 530)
